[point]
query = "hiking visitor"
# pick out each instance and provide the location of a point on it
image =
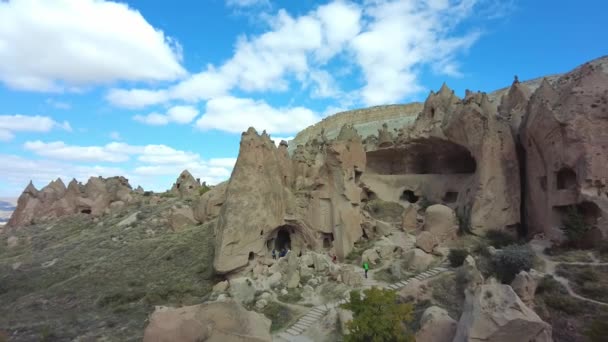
(274, 253)
(366, 268)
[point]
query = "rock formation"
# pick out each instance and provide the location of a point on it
(212, 322)
(55, 200)
(185, 185)
(208, 206)
(565, 137)
(310, 201)
(495, 313)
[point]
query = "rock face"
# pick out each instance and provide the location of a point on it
(212, 322)
(458, 153)
(309, 201)
(185, 185)
(55, 200)
(208, 206)
(495, 313)
(564, 134)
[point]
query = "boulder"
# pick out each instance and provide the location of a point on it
(383, 228)
(207, 207)
(293, 274)
(441, 221)
(525, 285)
(413, 290)
(181, 217)
(426, 241)
(128, 221)
(495, 313)
(371, 256)
(242, 290)
(274, 279)
(261, 303)
(186, 185)
(436, 326)
(351, 277)
(409, 223)
(12, 241)
(344, 316)
(222, 286)
(418, 260)
(212, 322)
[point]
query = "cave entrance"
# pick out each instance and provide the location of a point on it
(422, 156)
(283, 239)
(409, 196)
(328, 240)
(450, 197)
(566, 179)
(85, 211)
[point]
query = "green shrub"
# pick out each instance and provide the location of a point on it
(574, 225)
(500, 238)
(598, 329)
(148, 193)
(464, 222)
(385, 210)
(457, 256)
(511, 260)
(203, 189)
(280, 315)
(378, 317)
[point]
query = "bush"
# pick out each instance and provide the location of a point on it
(203, 189)
(511, 260)
(464, 222)
(598, 330)
(457, 256)
(425, 203)
(574, 225)
(280, 315)
(500, 238)
(378, 317)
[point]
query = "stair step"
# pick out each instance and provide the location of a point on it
(293, 332)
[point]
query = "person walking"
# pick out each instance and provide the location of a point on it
(274, 253)
(366, 268)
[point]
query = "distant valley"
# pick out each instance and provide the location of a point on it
(7, 206)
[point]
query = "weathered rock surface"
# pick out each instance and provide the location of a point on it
(436, 326)
(186, 185)
(426, 241)
(441, 222)
(525, 285)
(181, 217)
(495, 313)
(564, 134)
(55, 200)
(212, 322)
(208, 206)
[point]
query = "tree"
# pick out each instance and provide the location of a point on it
(378, 317)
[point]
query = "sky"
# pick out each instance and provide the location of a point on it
(146, 89)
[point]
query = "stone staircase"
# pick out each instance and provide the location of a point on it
(293, 332)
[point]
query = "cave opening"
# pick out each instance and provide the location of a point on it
(283, 239)
(566, 179)
(409, 196)
(251, 256)
(450, 197)
(328, 240)
(86, 211)
(423, 156)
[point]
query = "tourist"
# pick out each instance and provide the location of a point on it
(274, 253)
(366, 268)
(334, 259)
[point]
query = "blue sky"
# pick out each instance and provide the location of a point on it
(146, 89)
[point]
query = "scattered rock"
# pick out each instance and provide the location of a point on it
(261, 303)
(49, 263)
(351, 277)
(441, 221)
(16, 266)
(215, 321)
(418, 260)
(495, 313)
(130, 220)
(181, 217)
(525, 285)
(436, 326)
(426, 241)
(410, 218)
(12, 241)
(242, 290)
(371, 256)
(222, 286)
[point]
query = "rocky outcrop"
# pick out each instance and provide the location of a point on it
(208, 206)
(495, 313)
(186, 185)
(564, 135)
(309, 201)
(55, 200)
(436, 326)
(213, 322)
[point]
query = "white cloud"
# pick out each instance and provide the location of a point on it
(261, 63)
(114, 135)
(403, 35)
(247, 3)
(176, 114)
(9, 124)
(235, 115)
(92, 42)
(58, 104)
(113, 152)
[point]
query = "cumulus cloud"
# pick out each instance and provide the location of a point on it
(177, 114)
(9, 124)
(247, 3)
(92, 42)
(113, 152)
(235, 115)
(261, 63)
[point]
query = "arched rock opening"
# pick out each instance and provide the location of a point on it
(85, 211)
(424, 156)
(409, 196)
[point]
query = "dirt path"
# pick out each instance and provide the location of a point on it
(539, 246)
